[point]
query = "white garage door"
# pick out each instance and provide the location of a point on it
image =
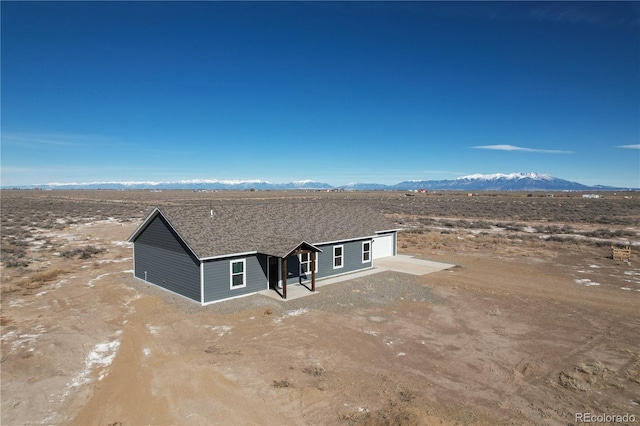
(383, 246)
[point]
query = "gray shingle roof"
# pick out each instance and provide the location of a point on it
(273, 228)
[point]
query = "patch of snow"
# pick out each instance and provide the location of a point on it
(294, 313)
(153, 330)
(27, 338)
(400, 354)
(586, 282)
(16, 303)
(221, 329)
(8, 335)
(59, 283)
(146, 352)
(102, 355)
(372, 333)
(122, 243)
(108, 221)
(126, 259)
(92, 281)
(595, 266)
(625, 288)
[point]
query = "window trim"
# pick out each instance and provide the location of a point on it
(244, 274)
(341, 247)
(300, 262)
(366, 251)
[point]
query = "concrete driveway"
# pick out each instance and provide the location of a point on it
(410, 265)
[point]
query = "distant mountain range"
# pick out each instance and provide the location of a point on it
(477, 182)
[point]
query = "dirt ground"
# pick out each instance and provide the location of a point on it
(519, 332)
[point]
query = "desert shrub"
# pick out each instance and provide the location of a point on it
(407, 395)
(16, 251)
(607, 233)
(512, 226)
(14, 241)
(555, 229)
(417, 231)
(13, 262)
(281, 383)
(427, 221)
(314, 371)
(85, 252)
(47, 275)
(599, 243)
(481, 224)
(14, 257)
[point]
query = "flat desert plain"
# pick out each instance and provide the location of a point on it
(535, 324)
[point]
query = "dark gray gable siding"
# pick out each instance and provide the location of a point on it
(217, 277)
(352, 260)
(166, 260)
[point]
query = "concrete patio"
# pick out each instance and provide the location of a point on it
(399, 263)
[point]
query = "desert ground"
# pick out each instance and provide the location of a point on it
(535, 323)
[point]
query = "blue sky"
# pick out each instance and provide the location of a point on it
(330, 91)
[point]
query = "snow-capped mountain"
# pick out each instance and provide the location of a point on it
(475, 182)
(498, 182)
(193, 184)
(508, 176)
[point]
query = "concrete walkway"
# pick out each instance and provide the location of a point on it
(398, 263)
(410, 265)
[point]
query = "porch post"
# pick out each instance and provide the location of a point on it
(313, 271)
(284, 278)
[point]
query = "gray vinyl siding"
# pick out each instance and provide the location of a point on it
(352, 261)
(217, 277)
(167, 261)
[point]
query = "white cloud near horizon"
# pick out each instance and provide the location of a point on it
(521, 149)
(636, 146)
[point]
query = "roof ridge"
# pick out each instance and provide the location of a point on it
(269, 226)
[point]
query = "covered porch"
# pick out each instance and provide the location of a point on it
(278, 269)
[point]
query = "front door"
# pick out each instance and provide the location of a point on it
(274, 274)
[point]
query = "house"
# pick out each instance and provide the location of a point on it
(232, 249)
